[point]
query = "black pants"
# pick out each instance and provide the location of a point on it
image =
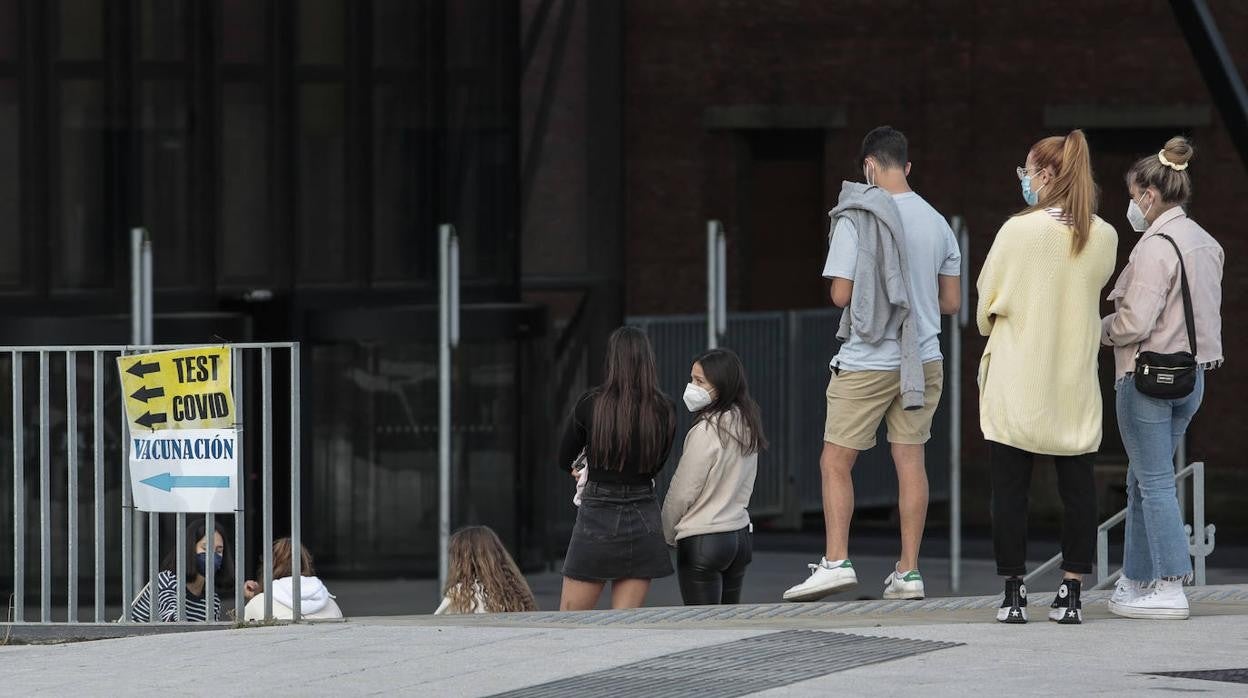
(711, 567)
(1011, 479)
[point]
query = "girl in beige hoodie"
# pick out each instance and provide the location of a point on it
(704, 514)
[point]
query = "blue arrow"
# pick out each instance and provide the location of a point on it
(167, 482)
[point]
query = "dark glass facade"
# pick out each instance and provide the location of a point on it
(292, 160)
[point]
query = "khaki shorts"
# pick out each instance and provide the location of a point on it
(858, 400)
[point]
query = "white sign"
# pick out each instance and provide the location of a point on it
(185, 470)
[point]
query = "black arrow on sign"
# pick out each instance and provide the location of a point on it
(141, 369)
(145, 393)
(150, 420)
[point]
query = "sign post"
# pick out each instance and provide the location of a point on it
(183, 442)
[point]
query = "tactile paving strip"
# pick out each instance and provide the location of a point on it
(737, 668)
(696, 615)
(1224, 675)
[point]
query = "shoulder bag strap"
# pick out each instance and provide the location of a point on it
(1187, 296)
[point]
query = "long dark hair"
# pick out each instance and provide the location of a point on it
(195, 532)
(725, 372)
(630, 403)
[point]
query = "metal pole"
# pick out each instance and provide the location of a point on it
(1198, 521)
(240, 507)
(958, 324)
(1102, 556)
(136, 285)
(131, 568)
(19, 495)
(266, 447)
(153, 519)
(712, 280)
(721, 280)
(296, 535)
(148, 300)
(138, 337)
(97, 433)
(181, 553)
(448, 338)
(210, 569)
(45, 494)
(153, 568)
(71, 485)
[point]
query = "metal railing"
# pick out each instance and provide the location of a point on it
(1200, 535)
(786, 358)
(109, 453)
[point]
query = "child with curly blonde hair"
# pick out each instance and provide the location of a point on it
(483, 578)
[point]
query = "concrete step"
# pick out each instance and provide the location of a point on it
(1231, 599)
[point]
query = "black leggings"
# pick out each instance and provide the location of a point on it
(1011, 479)
(711, 567)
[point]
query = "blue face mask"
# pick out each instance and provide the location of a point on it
(1031, 197)
(201, 562)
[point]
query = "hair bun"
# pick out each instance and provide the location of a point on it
(1179, 151)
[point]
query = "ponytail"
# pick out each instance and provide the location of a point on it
(1073, 188)
(1080, 195)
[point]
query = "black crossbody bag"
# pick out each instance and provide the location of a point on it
(1170, 376)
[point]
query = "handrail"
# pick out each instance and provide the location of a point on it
(1199, 550)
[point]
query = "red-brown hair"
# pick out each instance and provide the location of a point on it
(1073, 188)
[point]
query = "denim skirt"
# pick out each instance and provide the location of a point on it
(618, 535)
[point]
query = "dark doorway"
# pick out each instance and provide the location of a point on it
(783, 215)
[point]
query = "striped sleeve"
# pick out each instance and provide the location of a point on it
(139, 610)
(167, 596)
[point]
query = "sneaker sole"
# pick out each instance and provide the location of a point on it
(1014, 621)
(817, 594)
(903, 596)
(1063, 619)
(1149, 614)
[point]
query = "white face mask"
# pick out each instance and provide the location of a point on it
(1138, 218)
(697, 398)
(868, 173)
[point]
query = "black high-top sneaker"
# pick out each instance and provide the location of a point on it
(1014, 603)
(1067, 609)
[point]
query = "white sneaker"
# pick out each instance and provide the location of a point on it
(907, 586)
(1166, 601)
(1128, 590)
(826, 578)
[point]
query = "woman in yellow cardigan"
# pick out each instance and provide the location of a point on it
(1039, 294)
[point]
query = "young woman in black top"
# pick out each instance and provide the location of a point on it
(626, 428)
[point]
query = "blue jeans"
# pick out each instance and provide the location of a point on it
(1156, 544)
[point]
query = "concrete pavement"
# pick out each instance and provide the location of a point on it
(484, 655)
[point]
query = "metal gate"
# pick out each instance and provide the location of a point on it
(786, 357)
(66, 427)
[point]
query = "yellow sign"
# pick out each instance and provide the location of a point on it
(183, 389)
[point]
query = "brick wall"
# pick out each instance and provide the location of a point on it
(968, 82)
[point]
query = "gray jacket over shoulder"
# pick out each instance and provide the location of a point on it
(880, 304)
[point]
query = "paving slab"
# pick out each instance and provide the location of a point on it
(485, 655)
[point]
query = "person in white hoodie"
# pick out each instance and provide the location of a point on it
(704, 514)
(316, 603)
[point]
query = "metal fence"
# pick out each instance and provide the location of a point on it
(786, 357)
(72, 425)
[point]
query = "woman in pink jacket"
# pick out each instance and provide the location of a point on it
(1166, 331)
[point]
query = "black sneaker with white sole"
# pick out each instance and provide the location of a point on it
(1014, 603)
(1066, 608)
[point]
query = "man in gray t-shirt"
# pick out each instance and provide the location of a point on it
(865, 384)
